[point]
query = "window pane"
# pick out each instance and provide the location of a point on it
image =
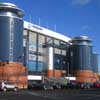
(32, 52)
(25, 33)
(63, 44)
(56, 42)
(25, 38)
(41, 42)
(64, 52)
(41, 50)
(24, 42)
(40, 63)
(60, 62)
(49, 40)
(31, 65)
(57, 51)
(32, 41)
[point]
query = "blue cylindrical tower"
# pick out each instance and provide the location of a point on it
(11, 45)
(80, 59)
(11, 33)
(81, 52)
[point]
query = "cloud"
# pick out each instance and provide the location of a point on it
(81, 2)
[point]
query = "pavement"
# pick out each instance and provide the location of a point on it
(74, 94)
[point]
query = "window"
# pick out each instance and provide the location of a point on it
(31, 65)
(63, 44)
(64, 52)
(25, 37)
(32, 57)
(24, 42)
(32, 41)
(49, 40)
(57, 51)
(40, 63)
(56, 42)
(31, 52)
(71, 53)
(25, 33)
(41, 50)
(57, 62)
(41, 42)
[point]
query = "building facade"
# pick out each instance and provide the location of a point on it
(54, 55)
(45, 51)
(28, 51)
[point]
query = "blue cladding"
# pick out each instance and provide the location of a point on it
(81, 54)
(8, 26)
(32, 65)
(40, 66)
(60, 62)
(81, 59)
(95, 62)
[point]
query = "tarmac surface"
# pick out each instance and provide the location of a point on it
(68, 94)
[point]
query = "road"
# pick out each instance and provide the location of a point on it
(92, 94)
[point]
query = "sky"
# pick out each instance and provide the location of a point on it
(69, 17)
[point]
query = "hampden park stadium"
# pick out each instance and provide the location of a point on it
(29, 52)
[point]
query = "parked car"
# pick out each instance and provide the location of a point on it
(44, 86)
(73, 85)
(97, 85)
(63, 86)
(5, 86)
(85, 85)
(56, 85)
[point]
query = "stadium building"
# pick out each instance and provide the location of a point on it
(28, 51)
(45, 51)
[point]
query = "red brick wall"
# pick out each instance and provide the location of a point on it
(14, 72)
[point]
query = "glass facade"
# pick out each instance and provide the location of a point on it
(41, 49)
(25, 47)
(32, 51)
(49, 41)
(56, 42)
(35, 50)
(60, 61)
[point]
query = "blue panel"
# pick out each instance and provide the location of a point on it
(94, 62)
(40, 66)
(32, 65)
(81, 57)
(60, 62)
(11, 26)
